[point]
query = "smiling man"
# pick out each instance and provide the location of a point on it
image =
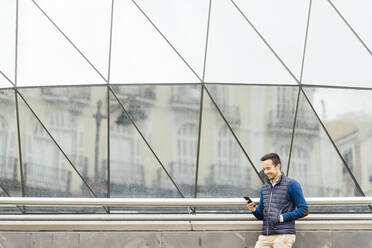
(281, 203)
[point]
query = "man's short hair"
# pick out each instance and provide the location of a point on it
(273, 156)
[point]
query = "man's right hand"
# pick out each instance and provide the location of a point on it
(251, 206)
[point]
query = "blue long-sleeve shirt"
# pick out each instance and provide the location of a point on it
(294, 194)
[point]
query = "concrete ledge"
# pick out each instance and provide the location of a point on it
(181, 239)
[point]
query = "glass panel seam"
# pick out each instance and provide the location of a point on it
(293, 131)
(199, 137)
(206, 40)
(305, 43)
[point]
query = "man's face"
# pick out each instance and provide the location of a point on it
(270, 170)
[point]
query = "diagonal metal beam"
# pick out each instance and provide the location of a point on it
(350, 27)
(266, 43)
(70, 41)
(233, 133)
(145, 140)
(165, 38)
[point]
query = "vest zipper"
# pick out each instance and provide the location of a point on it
(268, 223)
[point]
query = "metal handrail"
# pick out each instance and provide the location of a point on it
(168, 201)
(168, 217)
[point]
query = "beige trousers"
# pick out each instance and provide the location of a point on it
(276, 241)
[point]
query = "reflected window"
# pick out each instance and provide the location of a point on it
(285, 102)
(186, 94)
(187, 144)
(299, 162)
(46, 166)
(349, 159)
(8, 166)
(228, 170)
(124, 157)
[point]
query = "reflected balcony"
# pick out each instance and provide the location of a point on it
(67, 95)
(185, 98)
(9, 172)
(140, 95)
(126, 173)
(282, 121)
(47, 178)
(8, 168)
(224, 174)
(183, 172)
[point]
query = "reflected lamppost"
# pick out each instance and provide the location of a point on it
(98, 116)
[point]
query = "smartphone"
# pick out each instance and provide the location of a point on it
(247, 199)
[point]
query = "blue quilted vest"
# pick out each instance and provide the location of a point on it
(275, 203)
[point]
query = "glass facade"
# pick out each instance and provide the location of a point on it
(140, 99)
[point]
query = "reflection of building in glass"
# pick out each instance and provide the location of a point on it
(167, 119)
(9, 169)
(352, 134)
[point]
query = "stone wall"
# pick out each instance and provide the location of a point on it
(203, 239)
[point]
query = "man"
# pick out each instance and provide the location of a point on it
(281, 203)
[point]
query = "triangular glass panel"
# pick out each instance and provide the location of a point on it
(76, 117)
(236, 53)
(7, 42)
(282, 24)
(10, 175)
(315, 162)
(262, 117)
(358, 14)
(190, 16)
(347, 116)
(140, 54)
(45, 55)
(223, 171)
(87, 26)
(334, 55)
(46, 171)
(4, 83)
(168, 118)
